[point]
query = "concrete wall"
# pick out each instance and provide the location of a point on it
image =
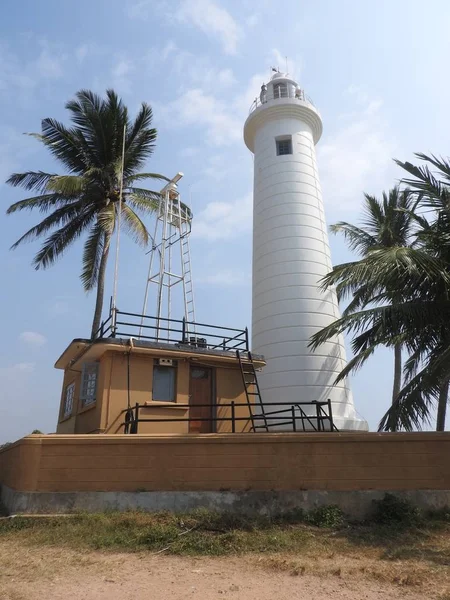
(106, 414)
(240, 462)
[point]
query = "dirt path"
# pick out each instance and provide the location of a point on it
(60, 574)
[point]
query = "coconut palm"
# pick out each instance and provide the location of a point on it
(85, 200)
(386, 224)
(408, 301)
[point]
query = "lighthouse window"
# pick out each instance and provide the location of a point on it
(280, 90)
(284, 146)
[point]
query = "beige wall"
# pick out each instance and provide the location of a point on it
(230, 388)
(107, 414)
(276, 461)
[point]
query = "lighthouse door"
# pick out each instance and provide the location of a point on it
(201, 405)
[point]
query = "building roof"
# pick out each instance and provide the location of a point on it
(85, 350)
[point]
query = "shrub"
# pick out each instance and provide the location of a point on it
(392, 510)
(326, 516)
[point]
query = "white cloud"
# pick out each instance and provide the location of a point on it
(24, 367)
(253, 20)
(33, 338)
(18, 75)
(138, 10)
(189, 151)
(81, 52)
(59, 307)
(49, 63)
(224, 220)
(193, 70)
(168, 49)
(212, 20)
(196, 107)
(120, 72)
(224, 277)
(357, 156)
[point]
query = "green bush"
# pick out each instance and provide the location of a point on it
(326, 516)
(392, 510)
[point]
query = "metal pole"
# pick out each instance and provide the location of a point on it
(149, 274)
(119, 220)
(294, 426)
(161, 263)
(233, 416)
(330, 412)
(183, 332)
(169, 289)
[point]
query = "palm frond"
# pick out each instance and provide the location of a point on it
(92, 255)
(357, 239)
(135, 226)
(60, 216)
(43, 203)
(31, 180)
(67, 185)
(56, 244)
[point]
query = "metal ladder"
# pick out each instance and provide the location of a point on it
(252, 391)
(186, 270)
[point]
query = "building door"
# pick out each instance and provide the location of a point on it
(201, 400)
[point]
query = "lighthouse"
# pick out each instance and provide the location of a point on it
(291, 254)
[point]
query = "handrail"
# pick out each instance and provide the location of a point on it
(175, 331)
(269, 97)
(277, 418)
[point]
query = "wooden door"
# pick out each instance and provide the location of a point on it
(200, 394)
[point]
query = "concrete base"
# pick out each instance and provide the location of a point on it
(356, 505)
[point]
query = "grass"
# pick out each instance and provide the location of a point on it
(390, 550)
(219, 534)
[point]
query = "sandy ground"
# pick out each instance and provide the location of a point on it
(57, 574)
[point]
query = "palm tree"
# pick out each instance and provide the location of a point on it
(85, 200)
(418, 279)
(386, 224)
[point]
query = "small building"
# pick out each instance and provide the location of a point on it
(125, 383)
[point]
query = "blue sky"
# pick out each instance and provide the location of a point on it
(376, 71)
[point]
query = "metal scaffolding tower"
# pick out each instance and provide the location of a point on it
(170, 260)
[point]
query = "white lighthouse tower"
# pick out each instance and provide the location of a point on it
(291, 254)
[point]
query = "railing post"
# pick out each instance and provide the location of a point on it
(246, 339)
(183, 332)
(330, 413)
(294, 426)
(113, 321)
(233, 417)
(136, 417)
(224, 347)
(319, 417)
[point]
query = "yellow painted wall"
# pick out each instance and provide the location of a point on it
(230, 388)
(250, 461)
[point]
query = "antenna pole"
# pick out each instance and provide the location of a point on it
(286, 65)
(119, 220)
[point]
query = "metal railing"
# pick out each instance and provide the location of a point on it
(268, 97)
(295, 416)
(173, 331)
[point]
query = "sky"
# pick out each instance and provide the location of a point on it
(375, 70)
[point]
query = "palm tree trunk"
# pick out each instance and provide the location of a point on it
(100, 286)
(397, 372)
(442, 407)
